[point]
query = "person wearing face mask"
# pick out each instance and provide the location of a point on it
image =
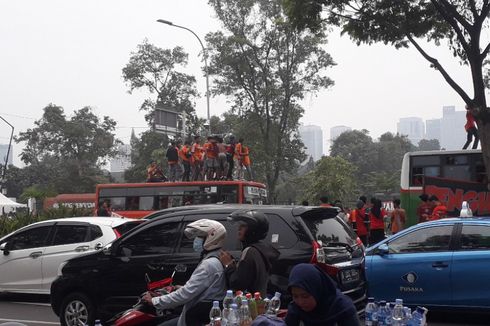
(207, 282)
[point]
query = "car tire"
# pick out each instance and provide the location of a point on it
(77, 309)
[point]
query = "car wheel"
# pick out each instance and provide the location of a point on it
(77, 310)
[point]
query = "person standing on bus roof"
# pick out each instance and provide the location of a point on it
(237, 158)
(424, 210)
(471, 130)
(211, 154)
(222, 163)
(186, 156)
(197, 158)
(247, 164)
(173, 162)
(154, 173)
(230, 157)
(440, 210)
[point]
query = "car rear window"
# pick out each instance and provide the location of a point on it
(123, 228)
(328, 228)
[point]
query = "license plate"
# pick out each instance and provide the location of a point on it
(349, 275)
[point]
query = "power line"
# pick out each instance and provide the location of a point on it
(17, 116)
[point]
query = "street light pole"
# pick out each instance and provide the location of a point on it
(8, 153)
(205, 54)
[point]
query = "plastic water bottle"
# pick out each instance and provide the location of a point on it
(227, 302)
(274, 305)
(233, 318)
(418, 317)
(215, 314)
(370, 313)
(98, 323)
(245, 318)
(252, 306)
(267, 304)
(384, 314)
(407, 315)
(398, 313)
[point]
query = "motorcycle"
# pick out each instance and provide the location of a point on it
(143, 313)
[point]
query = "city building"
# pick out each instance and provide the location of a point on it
(3, 154)
(413, 128)
(312, 137)
(433, 129)
(337, 131)
(122, 161)
(453, 135)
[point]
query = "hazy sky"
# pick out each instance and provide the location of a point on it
(71, 53)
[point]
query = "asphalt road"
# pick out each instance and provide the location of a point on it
(36, 311)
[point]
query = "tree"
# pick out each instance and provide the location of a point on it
(151, 146)
(68, 153)
(332, 176)
(155, 69)
(265, 66)
(404, 22)
(429, 145)
(356, 147)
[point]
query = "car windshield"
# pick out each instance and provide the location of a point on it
(331, 231)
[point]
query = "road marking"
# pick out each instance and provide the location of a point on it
(31, 321)
(33, 303)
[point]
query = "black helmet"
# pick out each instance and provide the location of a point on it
(257, 224)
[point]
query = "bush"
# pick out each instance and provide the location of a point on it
(10, 224)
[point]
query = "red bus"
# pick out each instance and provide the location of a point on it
(137, 200)
(70, 200)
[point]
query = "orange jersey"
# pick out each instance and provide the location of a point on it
(245, 156)
(185, 153)
(238, 150)
(197, 152)
(440, 211)
(211, 150)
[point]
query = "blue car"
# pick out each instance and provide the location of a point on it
(439, 264)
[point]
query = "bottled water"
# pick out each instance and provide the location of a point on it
(418, 317)
(215, 314)
(370, 313)
(384, 315)
(233, 319)
(407, 315)
(98, 323)
(227, 302)
(398, 313)
(267, 303)
(245, 318)
(274, 305)
(252, 306)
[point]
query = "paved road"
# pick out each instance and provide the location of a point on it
(36, 311)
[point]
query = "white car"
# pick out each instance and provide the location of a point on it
(31, 256)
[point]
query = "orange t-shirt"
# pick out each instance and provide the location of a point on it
(211, 150)
(357, 216)
(184, 153)
(440, 211)
(245, 156)
(238, 150)
(197, 152)
(398, 218)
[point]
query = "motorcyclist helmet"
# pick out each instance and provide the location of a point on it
(257, 224)
(213, 233)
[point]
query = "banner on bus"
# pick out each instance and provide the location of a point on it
(453, 192)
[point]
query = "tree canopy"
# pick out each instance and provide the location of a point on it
(265, 67)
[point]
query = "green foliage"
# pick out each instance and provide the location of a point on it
(151, 146)
(65, 154)
(155, 69)
(37, 192)
(332, 176)
(265, 66)
(10, 224)
(429, 145)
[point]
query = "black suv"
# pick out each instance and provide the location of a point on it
(109, 281)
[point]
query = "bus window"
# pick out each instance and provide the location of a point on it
(229, 194)
(418, 174)
(132, 203)
(146, 203)
(117, 203)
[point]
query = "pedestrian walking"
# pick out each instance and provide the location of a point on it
(471, 130)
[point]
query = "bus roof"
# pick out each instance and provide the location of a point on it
(444, 152)
(183, 183)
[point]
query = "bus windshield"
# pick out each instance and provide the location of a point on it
(140, 199)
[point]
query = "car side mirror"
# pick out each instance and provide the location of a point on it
(383, 249)
(4, 247)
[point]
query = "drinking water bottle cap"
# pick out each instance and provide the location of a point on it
(234, 306)
(399, 301)
(244, 302)
(229, 293)
(278, 294)
(215, 303)
(370, 299)
(382, 303)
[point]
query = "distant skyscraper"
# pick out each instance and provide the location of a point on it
(453, 135)
(312, 137)
(433, 129)
(122, 161)
(413, 128)
(337, 131)
(3, 154)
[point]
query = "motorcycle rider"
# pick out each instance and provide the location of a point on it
(207, 282)
(252, 271)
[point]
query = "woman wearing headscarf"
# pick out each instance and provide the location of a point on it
(317, 301)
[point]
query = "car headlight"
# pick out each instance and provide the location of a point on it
(60, 268)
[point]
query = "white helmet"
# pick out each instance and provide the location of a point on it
(213, 232)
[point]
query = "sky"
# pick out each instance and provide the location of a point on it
(71, 53)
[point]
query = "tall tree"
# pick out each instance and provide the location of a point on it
(69, 152)
(156, 70)
(429, 145)
(265, 66)
(404, 22)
